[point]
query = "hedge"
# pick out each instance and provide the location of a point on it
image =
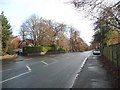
(50, 48)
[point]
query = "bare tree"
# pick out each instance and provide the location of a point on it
(95, 7)
(47, 32)
(23, 31)
(74, 39)
(29, 28)
(42, 32)
(58, 29)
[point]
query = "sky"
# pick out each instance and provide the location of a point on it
(17, 11)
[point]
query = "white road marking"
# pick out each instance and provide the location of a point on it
(27, 59)
(44, 63)
(52, 55)
(15, 77)
(51, 63)
(29, 70)
(84, 62)
(5, 70)
(80, 69)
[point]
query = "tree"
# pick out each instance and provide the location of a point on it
(31, 29)
(76, 43)
(58, 29)
(23, 31)
(112, 37)
(105, 24)
(64, 42)
(71, 39)
(42, 32)
(106, 16)
(46, 32)
(6, 31)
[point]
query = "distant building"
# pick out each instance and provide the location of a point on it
(18, 43)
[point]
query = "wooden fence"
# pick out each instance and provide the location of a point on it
(112, 52)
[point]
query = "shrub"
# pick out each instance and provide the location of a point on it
(54, 47)
(10, 50)
(29, 49)
(50, 48)
(44, 49)
(61, 49)
(2, 53)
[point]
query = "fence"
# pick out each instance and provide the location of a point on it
(112, 52)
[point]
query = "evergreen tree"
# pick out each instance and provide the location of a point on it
(5, 30)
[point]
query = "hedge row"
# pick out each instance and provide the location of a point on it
(52, 48)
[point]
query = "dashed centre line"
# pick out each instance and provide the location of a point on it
(5, 70)
(28, 59)
(44, 63)
(28, 68)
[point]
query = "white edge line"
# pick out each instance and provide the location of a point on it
(80, 69)
(15, 77)
(44, 63)
(29, 70)
(84, 63)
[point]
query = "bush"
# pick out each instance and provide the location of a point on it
(50, 48)
(38, 49)
(56, 48)
(10, 52)
(53, 47)
(29, 49)
(2, 53)
(44, 49)
(61, 49)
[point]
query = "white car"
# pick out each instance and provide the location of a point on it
(19, 50)
(96, 52)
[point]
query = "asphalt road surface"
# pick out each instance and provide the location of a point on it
(51, 71)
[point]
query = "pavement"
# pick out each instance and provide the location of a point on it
(93, 75)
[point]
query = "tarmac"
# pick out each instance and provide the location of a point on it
(93, 75)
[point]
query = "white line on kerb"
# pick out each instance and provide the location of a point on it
(17, 75)
(44, 63)
(84, 62)
(81, 68)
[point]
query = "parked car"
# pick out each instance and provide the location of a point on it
(18, 51)
(96, 52)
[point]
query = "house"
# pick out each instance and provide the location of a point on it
(18, 44)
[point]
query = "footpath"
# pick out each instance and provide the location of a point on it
(8, 57)
(95, 75)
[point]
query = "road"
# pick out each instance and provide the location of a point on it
(51, 71)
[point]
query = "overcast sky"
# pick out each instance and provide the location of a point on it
(17, 11)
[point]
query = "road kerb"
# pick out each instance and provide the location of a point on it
(84, 63)
(80, 69)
